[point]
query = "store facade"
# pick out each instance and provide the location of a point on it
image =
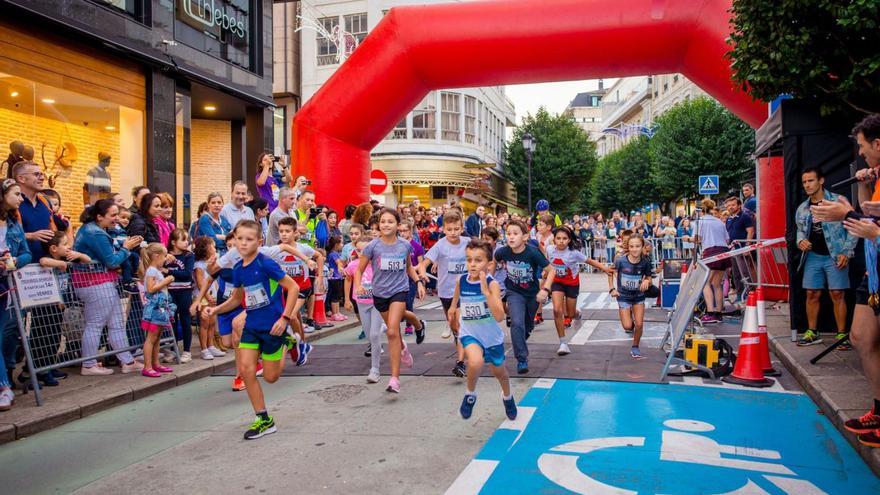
(176, 95)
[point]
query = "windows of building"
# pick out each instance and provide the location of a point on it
(399, 131)
(425, 118)
(279, 130)
(450, 111)
(356, 24)
(326, 48)
(134, 8)
(470, 120)
(594, 101)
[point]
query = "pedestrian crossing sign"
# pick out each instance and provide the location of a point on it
(708, 184)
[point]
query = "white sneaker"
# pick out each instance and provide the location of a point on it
(186, 357)
(206, 355)
(373, 377)
(308, 329)
(447, 332)
(6, 400)
(216, 352)
(96, 370)
(563, 349)
(133, 367)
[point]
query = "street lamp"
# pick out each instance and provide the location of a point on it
(529, 144)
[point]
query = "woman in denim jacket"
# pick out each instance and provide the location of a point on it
(96, 288)
(14, 253)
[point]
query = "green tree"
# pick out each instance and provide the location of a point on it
(562, 165)
(700, 137)
(605, 187)
(819, 50)
(637, 186)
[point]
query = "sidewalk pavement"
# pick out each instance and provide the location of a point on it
(80, 396)
(836, 383)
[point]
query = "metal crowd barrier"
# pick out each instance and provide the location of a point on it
(50, 309)
(661, 249)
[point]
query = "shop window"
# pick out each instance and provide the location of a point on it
(470, 120)
(450, 112)
(425, 118)
(77, 140)
(326, 48)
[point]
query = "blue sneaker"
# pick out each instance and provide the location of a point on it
(522, 367)
(362, 335)
(467, 405)
(510, 408)
(635, 352)
(304, 349)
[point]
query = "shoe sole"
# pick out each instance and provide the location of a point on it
(458, 373)
(868, 443)
(267, 431)
(563, 353)
(859, 431)
(522, 371)
(393, 391)
(371, 380)
(808, 344)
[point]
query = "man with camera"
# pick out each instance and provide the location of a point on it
(307, 214)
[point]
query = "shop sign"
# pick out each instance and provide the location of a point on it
(213, 16)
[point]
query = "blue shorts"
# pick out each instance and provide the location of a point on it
(493, 355)
(820, 272)
(626, 303)
(271, 347)
(224, 322)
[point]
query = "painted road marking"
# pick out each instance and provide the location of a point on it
(698, 382)
(601, 302)
(544, 383)
(433, 305)
(584, 333)
(472, 479)
(670, 440)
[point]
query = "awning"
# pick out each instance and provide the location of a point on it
(768, 138)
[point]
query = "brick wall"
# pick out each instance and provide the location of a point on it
(34, 131)
(210, 160)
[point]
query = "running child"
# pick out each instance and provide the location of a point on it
(493, 236)
(389, 256)
(525, 266)
(335, 279)
(257, 280)
(159, 310)
(476, 304)
(297, 267)
(565, 256)
(449, 255)
(633, 274)
(372, 320)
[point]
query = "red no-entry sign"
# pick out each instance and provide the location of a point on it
(378, 181)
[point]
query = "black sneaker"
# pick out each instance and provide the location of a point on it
(809, 338)
(459, 370)
(467, 405)
(510, 408)
(420, 332)
(865, 424)
(522, 367)
(507, 320)
(870, 439)
(58, 374)
(259, 428)
(369, 351)
(844, 345)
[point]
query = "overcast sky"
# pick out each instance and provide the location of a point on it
(554, 96)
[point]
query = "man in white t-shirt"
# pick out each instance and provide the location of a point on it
(235, 210)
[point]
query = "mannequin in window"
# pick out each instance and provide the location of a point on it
(97, 184)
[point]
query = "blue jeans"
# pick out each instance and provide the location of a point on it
(8, 342)
(522, 310)
(411, 296)
(182, 319)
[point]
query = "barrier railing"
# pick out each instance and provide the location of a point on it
(75, 316)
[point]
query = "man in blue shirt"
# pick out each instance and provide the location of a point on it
(37, 219)
(750, 202)
(740, 223)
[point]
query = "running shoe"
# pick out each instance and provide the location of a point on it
(636, 353)
(373, 377)
(539, 318)
(408, 330)
(238, 384)
(845, 345)
(308, 329)
(369, 351)
(58, 374)
(362, 335)
(447, 332)
(420, 332)
(293, 352)
(563, 349)
(206, 355)
(467, 405)
(708, 318)
(304, 349)
(522, 367)
(185, 357)
(459, 370)
(259, 368)
(7, 399)
(871, 439)
(809, 338)
(567, 322)
(259, 428)
(866, 424)
(393, 385)
(510, 408)
(507, 320)
(406, 358)
(216, 352)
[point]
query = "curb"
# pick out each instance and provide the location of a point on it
(828, 408)
(104, 396)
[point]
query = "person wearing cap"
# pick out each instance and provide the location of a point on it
(542, 207)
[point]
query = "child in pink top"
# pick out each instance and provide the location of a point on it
(370, 317)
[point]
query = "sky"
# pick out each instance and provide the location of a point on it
(554, 96)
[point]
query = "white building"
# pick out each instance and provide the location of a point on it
(626, 111)
(446, 145)
(586, 111)
(670, 89)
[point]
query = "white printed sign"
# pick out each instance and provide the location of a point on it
(36, 286)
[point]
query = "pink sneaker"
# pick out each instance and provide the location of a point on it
(409, 330)
(150, 373)
(406, 358)
(162, 369)
(338, 317)
(393, 385)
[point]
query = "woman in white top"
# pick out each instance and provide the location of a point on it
(713, 239)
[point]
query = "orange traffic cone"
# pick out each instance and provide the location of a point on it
(320, 313)
(748, 370)
(764, 351)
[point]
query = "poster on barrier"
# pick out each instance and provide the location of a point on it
(36, 286)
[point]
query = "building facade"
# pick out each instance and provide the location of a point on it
(586, 111)
(177, 93)
(626, 111)
(670, 89)
(450, 145)
(286, 74)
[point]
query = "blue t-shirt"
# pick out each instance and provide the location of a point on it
(737, 225)
(630, 276)
(262, 294)
(523, 269)
(332, 264)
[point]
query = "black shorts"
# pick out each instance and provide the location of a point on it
(719, 265)
(447, 303)
(336, 290)
(862, 295)
(305, 294)
(570, 291)
(382, 304)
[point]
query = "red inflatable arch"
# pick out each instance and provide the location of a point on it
(416, 49)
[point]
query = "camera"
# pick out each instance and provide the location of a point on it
(313, 212)
(307, 182)
(276, 159)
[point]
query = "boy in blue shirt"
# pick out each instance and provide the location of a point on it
(258, 281)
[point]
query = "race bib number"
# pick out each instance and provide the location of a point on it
(227, 291)
(561, 270)
(519, 272)
(255, 296)
(457, 266)
(392, 263)
(630, 282)
(368, 289)
(474, 309)
(294, 269)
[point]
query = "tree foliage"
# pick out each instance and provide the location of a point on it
(819, 50)
(700, 137)
(623, 179)
(562, 165)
